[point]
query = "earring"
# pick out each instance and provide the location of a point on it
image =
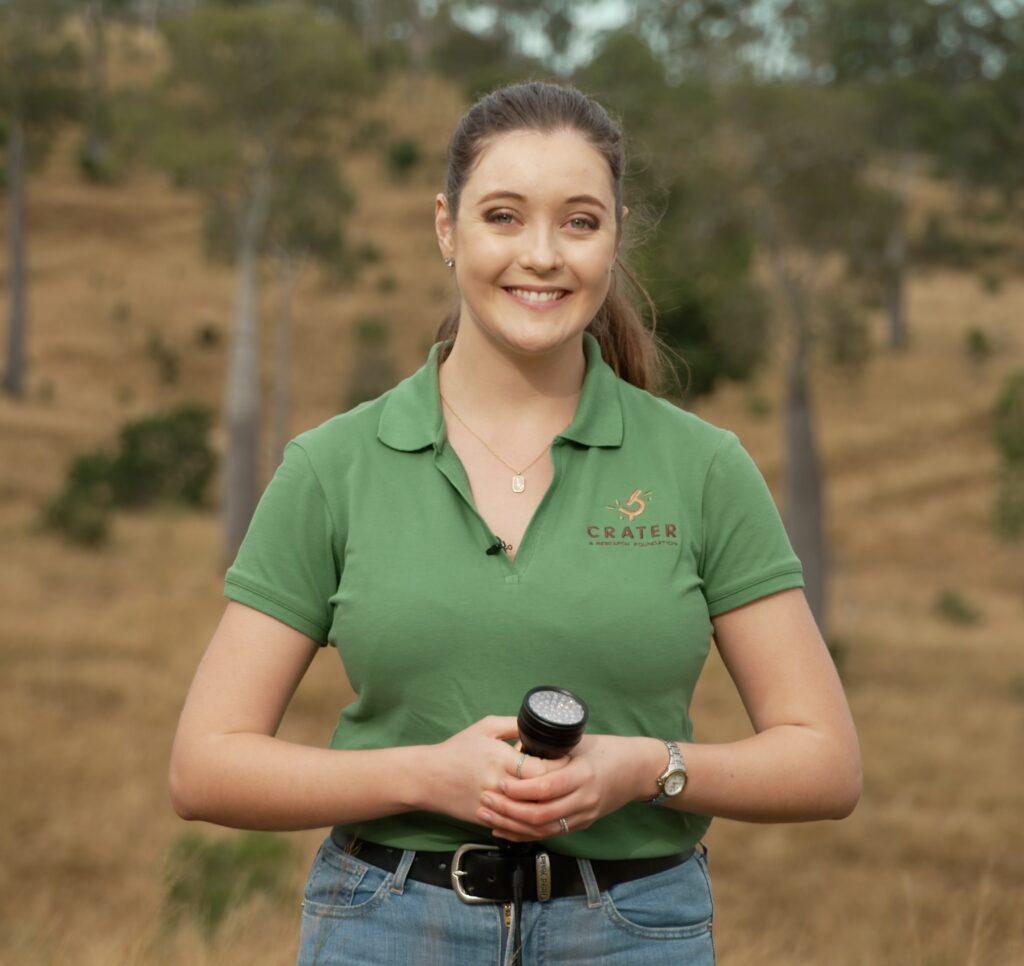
(449, 262)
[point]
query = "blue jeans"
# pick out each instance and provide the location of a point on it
(358, 915)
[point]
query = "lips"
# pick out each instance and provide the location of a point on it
(537, 297)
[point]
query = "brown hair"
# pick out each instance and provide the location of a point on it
(627, 345)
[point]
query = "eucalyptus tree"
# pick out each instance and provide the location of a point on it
(251, 88)
(307, 226)
(694, 255)
(96, 151)
(805, 156)
(911, 59)
(38, 90)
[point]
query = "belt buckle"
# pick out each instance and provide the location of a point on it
(458, 872)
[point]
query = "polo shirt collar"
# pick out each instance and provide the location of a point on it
(412, 420)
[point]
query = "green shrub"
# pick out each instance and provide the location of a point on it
(387, 283)
(167, 362)
(81, 512)
(1008, 518)
(208, 335)
(369, 253)
(205, 879)
(953, 607)
(939, 245)
(164, 458)
(1010, 418)
(977, 346)
(991, 282)
(404, 155)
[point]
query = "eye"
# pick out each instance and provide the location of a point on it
(500, 217)
(584, 221)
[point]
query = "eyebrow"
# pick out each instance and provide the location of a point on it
(575, 199)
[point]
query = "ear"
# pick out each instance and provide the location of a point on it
(444, 226)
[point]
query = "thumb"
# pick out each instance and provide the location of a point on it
(537, 767)
(503, 727)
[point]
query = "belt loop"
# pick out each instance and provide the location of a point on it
(587, 875)
(404, 864)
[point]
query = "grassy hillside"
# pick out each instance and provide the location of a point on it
(97, 647)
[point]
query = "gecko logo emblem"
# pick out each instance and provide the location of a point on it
(637, 500)
(629, 534)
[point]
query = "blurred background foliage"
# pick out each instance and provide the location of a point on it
(794, 166)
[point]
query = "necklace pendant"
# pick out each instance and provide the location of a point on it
(518, 483)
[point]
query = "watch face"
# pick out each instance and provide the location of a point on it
(675, 782)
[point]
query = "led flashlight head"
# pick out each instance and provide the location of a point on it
(551, 721)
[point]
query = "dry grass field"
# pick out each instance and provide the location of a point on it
(97, 647)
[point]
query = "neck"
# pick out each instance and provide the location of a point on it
(501, 388)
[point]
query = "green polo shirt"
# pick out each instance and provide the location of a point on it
(655, 521)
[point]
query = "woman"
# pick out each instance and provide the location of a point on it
(518, 512)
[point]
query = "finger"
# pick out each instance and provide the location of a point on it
(516, 830)
(532, 767)
(508, 813)
(499, 726)
(541, 788)
(505, 827)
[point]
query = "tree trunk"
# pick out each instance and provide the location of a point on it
(241, 476)
(420, 50)
(97, 146)
(14, 373)
(804, 504)
(287, 269)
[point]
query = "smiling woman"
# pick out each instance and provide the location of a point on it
(520, 511)
(534, 257)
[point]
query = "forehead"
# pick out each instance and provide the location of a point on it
(538, 164)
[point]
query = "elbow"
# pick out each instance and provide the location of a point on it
(182, 792)
(848, 792)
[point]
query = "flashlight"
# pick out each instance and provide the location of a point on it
(551, 721)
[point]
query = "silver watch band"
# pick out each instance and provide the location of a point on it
(675, 764)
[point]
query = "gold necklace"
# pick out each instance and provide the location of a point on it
(518, 477)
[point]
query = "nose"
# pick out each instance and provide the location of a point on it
(540, 250)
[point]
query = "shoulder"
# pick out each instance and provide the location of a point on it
(345, 435)
(663, 421)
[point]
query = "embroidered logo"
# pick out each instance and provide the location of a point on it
(627, 534)
(636, 499)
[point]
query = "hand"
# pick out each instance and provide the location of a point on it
(603, 773)
(477, 759)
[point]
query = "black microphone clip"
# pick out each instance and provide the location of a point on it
(497, 547)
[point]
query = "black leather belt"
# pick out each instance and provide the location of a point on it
(484, 873)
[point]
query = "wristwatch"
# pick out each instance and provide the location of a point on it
(673, 779)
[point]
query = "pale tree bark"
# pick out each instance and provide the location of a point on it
(97, 147)
(17, 319)
(241, 476)
(803, 490)
(803, 496)
(288, 267)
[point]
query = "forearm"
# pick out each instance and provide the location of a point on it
(255, 781)
(786, 773)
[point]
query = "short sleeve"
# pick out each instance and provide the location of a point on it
(287, 565)
(745, 553)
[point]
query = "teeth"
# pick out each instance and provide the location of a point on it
(536, 296)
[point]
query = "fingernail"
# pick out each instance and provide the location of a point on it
(503, 785)
(487, 800)
(485, 817)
